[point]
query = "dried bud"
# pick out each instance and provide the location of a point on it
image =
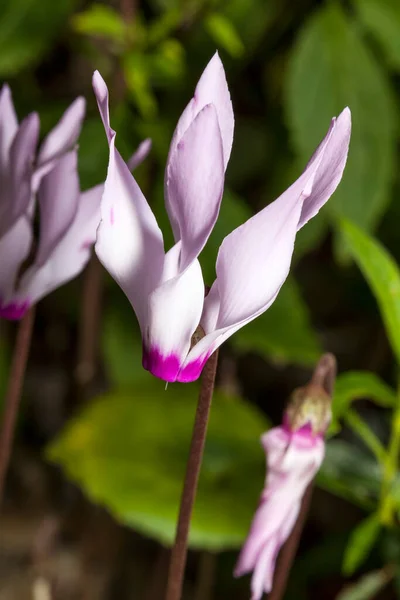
(309, 405)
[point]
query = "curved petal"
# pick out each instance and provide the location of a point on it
(212, 89)
(14, 249)
(58, 199)
(69, 257)
(254, 260)
(18, 188)
(196, 181)
(129, 241)
(8, 127)
(64, 135)
(140, 155)
(174, 311)
(334, 149)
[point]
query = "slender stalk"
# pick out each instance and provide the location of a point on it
(179, 549)
(13, 393)
(89, 323)
(206, 576)
(288, 552)
(324, 376)
(390, 468)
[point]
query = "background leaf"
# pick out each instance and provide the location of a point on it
(382, 275)
(122, 454)
(362, 539)
(382, 19)
(331, 68)
(367, 586)
(284, 331)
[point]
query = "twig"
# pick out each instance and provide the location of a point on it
(13, 393)
(89, 323)
(179, 550)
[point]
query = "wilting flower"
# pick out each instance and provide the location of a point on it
(180, 327)
(294, 454)
(68, 218)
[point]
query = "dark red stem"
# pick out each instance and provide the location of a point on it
(180, 547)
(13, 393)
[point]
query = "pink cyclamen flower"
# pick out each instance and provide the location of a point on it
(68, 218)
(180, 327)
(294, 452)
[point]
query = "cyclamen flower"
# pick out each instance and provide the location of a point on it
(295, 452)
(180, 327)
(68, 218)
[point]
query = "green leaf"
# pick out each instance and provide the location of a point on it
(128, 452)
(367, 586)
(101, 21)
(361, 541)
(360, 427)
(284, 331)
(383, 276)
(382, 19)
(331, 68)
(27, 28)
(355, 385)
(351, 473)
(224, 34)
(137, 73)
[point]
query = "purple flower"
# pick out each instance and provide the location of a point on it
(294, 452)
(68, 218)
(180, 327)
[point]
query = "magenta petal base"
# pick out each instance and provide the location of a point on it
(13, 311)
(164, 367)
(169, 367)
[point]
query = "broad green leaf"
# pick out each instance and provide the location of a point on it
(101, 21)
(355, 385)
(367, 587)
(351, 473)
(128, 452)
(284, 331)
(382, 275)
(361, 541)
(137, 73)
(224, 34)
(330, 68)
(27, 28)
(382, 19)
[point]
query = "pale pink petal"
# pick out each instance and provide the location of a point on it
(14, 249)
(69, 256)
(195, 183)
(17, 190)
(64, 135)
(58, 199)
(293, 459)
(254, 260)
(212, 89)
(8, 127)
(334, 149)
(129, 241)
(140, 155)
(174, 310)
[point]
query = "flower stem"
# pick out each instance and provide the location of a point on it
(89, 324)
(390, 467)
(13, 393)
(179, 549)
